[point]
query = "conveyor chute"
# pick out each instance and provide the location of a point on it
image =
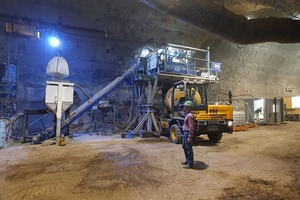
(100, 95)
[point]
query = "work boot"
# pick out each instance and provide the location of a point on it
(187, 166)
(184, 162)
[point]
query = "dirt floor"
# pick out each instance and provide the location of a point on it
(261, 163)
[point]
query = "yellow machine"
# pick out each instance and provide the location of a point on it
(291, 113)
(211, 119)
(183, 73)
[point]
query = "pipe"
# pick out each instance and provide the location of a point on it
(53, 25)
(100, 95)
(230, 97)
(281, 110)
(275, 110)
(157, 129)
(123, 126)
(71, 30)
(223, 23)
(82, 90)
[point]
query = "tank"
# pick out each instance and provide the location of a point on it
(179, 97)
(7, 77)
(2, 132)
(7, 73)
(58, 68)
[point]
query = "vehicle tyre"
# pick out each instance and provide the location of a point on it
(215, 137)
(175, 134)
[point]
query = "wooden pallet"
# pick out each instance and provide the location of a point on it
(240, 128)
(250, 124)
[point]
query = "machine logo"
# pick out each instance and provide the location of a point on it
(213, 111)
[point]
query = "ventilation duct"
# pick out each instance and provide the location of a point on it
(215, 19)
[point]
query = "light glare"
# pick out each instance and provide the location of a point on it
(54, 41)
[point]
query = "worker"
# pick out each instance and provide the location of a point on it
(257, 112)
(188, 134)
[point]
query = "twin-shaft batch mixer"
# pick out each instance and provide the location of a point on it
(184, 73)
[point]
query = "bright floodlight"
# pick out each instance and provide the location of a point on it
(54, 41)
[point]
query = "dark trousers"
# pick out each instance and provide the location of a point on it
(188, 149)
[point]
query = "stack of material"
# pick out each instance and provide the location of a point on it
(239, 118)
(239, 123)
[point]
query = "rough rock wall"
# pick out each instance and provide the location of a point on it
(263, 70)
